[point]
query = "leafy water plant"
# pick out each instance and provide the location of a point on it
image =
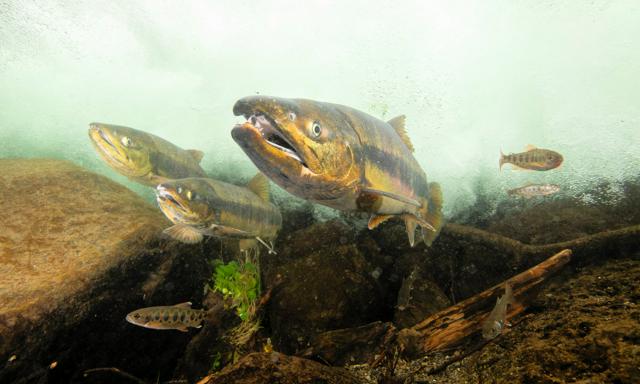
(239, 282)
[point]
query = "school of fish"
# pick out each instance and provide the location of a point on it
(326, 153)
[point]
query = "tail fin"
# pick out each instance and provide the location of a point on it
(502, 159)
(432, 213)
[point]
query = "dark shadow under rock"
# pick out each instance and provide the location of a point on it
(418, 298)
(327, 283)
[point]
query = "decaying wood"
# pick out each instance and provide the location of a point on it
(583, 248)
(455, 323)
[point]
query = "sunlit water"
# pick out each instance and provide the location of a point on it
(473, 77)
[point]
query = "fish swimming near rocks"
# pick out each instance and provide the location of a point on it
(143, 157)
(532, 190)
(497, 320)
(179, 316)
(202, 206)
(536, 159)
(342, 158)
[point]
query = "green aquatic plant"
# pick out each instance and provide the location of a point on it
(239, 282)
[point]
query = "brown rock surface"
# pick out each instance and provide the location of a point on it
(275, 367)
(77, 253)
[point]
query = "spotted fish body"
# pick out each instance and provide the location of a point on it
(535, 159)
(143, 157)
(342, 158)
(202, 206)
(532, 190)
(179, 317)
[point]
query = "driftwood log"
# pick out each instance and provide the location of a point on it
(454, 324)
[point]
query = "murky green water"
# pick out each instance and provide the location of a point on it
(472, 78)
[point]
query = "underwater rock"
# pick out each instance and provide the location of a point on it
(350, 345)
(274, 367)
(327, 283)
(418, 298)
(77, 253)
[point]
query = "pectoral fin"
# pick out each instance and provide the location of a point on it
(410, 223)
(376, 220)
(394, 196)
(184, 233)
(224, 231)
(269, 246)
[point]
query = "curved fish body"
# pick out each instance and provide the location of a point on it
(497, 319)
(531, 190)
(340, 157)
(535, 159)
(179, 317)
(143, 157)
(205, 207)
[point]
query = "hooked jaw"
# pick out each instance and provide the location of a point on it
(269, 135)
(170, 204)
(104, 143)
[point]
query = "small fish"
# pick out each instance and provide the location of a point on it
(531, 190)
(497, 319)
(340, 157)
(535, 159)
(179, 316)
(201, 206)
(143, 157)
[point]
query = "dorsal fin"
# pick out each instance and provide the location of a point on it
(530, 147)
(186, 304)
(198, 155)
(398, 124)
(260, 186)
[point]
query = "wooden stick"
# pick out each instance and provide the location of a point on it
(116, 371)
(453, 324)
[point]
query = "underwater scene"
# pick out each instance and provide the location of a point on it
(319, 191)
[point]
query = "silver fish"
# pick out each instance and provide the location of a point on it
(494, 325)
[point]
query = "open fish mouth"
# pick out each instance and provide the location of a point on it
(171, 206)
(272, 135)
(107, 147)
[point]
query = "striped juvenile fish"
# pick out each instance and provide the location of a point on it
(531, 190)
(535, 159)
(143, 157)
(179, 316)
(495, 323)
(340, 157)
(201, 206)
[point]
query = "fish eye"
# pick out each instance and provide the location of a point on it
(316, 129)
(125, 141)
(137, 315)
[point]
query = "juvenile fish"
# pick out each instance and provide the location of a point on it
(143, 157)
(536, 159)
(179, 316)
(340, 157)
(497, 319)
(201, 206)
(531, 190)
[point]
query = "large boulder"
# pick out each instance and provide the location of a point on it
(327, 283)
(77, 253)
